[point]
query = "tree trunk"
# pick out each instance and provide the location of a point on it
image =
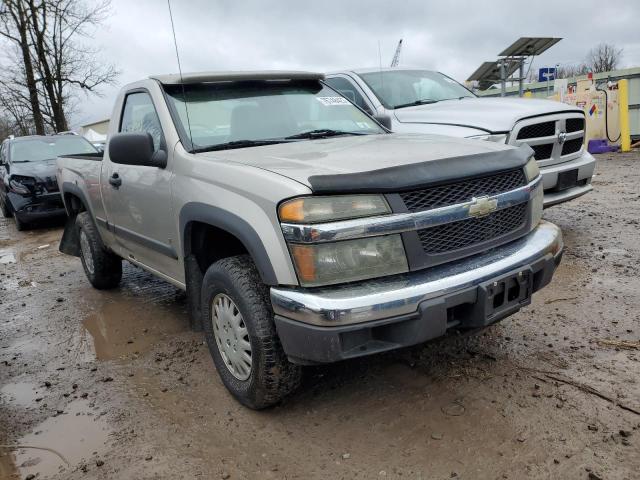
(57, 105)
(38, 121)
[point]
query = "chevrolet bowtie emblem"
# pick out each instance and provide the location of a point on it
(482, 206)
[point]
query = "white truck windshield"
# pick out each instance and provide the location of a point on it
(405, 88)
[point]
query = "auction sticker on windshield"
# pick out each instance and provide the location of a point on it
(333, 101)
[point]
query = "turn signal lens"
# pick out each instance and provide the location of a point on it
(537, 205)
(329, 209)
(292, 211)
(531, 170)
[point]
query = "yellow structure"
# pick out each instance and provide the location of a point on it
(602, 111)
(623, 101)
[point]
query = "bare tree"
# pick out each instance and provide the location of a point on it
(58, 64)
(67, 66)
(14, 27)
(6, 128)
(571, 70)
(604, 57)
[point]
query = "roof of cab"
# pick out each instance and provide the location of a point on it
(235, 76)
(378, 69)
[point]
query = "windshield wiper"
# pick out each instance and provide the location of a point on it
(322, 133)
(417, 102)
(236, 144)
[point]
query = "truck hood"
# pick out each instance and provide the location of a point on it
(346, 157)
(489, 114)
(38, 170)
(44, 173)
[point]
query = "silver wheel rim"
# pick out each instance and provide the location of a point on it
(232, 337)
(86, 251)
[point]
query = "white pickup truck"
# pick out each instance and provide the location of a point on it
(423, 101)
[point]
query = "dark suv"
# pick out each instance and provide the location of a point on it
(28, 190)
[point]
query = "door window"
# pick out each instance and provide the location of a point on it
(349, 90)
(139, 115)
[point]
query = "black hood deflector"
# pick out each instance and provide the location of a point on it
(422, 175)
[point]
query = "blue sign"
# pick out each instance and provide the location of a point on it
(547, 74)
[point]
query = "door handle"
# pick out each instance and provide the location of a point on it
(115, 180)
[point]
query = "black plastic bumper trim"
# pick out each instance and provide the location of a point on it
(310, 344)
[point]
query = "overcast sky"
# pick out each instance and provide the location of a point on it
(451, 36)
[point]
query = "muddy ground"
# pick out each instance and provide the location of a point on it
(116, 385)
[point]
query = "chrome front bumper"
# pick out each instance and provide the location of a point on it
(585, 164)
(400, 295)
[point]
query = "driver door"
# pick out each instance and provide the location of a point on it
(138, 198)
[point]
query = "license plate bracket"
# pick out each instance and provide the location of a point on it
(503, 296)
(566, 180)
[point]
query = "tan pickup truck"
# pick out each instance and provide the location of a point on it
(302, 230)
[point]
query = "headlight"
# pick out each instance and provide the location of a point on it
(19, 184)
(328, 209)
(497, 137)
(349, 260)
(531, 170)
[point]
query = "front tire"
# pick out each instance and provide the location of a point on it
(103, 268)
(238, 324)
(20, 225)
(6, 212)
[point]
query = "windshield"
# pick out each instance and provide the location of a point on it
(48, 148)
(236, 114)
(403, 88)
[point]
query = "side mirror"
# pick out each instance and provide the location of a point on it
(384, 120)
(136, 149)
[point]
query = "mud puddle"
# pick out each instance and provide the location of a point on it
(7, 256)
(42, 453)
(21, 394)
(120, 324)
(124, 327)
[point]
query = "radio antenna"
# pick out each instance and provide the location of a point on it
(380, 63)
(184, 95)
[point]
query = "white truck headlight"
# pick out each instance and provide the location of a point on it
(330, 209)
(492, 137)
(531, 170)
(349, 260)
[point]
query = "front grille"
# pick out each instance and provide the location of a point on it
(546, 129)
(572, 146)
(472, 231)
(542, 152)
(544, 136)
(574, 125)
(460, 192)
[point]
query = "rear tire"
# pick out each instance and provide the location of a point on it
(263, 376)
(103, 268)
